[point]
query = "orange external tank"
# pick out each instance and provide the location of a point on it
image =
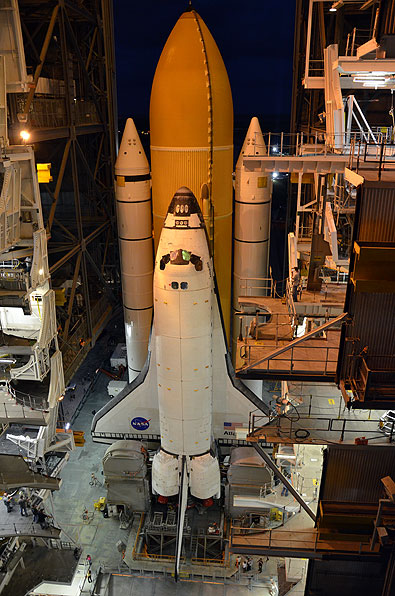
(191, 122)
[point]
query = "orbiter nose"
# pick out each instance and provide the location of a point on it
(184, 203)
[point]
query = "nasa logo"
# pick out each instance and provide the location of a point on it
(140, 423)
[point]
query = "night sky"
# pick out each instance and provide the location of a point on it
(254, 37)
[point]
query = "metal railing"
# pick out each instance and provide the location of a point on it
(50, 112)
(8, 412)
(305, 232)
(354, 143)
(280, 330)
(156, 557)
(316, 68)
(221, 561)
(288, 144)
(257, 286)
(287, 426)
(316, 366)
(26, 529)
(355, 39)
(302, 540)
(26, 401)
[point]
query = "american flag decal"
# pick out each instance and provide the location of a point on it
(232, 425)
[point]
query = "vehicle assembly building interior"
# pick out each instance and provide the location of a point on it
(197, 314)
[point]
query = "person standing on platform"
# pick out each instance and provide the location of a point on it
(295, 283)
(42, 519)
(22, 504)
(7, 499)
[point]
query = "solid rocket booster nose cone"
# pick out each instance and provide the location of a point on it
(185, 197)
(131, 160)
(254, 143)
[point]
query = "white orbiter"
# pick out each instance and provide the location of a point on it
(186, 396)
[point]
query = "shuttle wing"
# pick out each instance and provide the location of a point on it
(133, 414)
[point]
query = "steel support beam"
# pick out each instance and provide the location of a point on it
(71, 298)
(78, 247)
(39, 135)
(295, 342)
(81, 61)
(58, 184)
(43, 55)
(270, 463)
(109, 293)
(65, 230)
(94, 181)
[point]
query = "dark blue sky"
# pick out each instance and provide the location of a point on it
(255, 39)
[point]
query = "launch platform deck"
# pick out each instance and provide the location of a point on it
(313, 359)
(328, 302)
(317, 415)
(279, 325)
(297, 543)
(317, 431)
(11, 412)
(14, 524)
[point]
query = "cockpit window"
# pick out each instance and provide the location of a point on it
(182, 209)
(180, 257)
(163, 262)
(184, 204)
(197, 261)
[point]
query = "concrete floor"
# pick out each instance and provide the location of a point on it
(98, 538)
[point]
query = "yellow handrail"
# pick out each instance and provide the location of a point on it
(137, 536)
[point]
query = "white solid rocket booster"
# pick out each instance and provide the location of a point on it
(253, 198)
(133, 195)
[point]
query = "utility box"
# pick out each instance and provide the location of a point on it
(118, 357)
(114, 388)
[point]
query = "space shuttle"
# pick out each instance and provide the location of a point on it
(187, 395)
